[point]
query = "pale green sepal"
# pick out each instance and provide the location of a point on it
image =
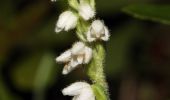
(74, 4)
(92, 3)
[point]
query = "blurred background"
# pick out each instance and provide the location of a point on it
(137, 62)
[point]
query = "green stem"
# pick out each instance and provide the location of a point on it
(96, 73)
(95, 68)
(82, 27)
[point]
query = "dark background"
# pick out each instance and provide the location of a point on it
(137, 62)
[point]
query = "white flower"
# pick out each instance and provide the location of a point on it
(77, 55)
(98, 31)
(67, 20)
(80, 91)
(83, 53)
(86, 11)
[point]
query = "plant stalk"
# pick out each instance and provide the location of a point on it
(96, 72)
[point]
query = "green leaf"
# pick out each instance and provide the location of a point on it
(158, 13)
(44, 75)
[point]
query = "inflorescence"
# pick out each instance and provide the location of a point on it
(81, 16)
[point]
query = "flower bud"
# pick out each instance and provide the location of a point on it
(67, 20)
(98, 31)
(86, 11)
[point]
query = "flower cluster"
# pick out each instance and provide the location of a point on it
(68, 19)
(78, 54)
(81, 52)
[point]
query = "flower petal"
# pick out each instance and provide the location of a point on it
(75, 88)
(67, 69)
(64, 57)
(106, 35)
(86, 11)
(86, 94)
(77, 48)
(89, 37)
(88, 55)
(74, 63)
(67, 20)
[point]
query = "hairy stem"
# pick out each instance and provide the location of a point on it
(96, 72)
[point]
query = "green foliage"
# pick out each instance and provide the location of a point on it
(46, 69)
(158, 13)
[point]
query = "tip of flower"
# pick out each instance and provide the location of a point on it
(65, 72)
(64, 91)
(64, 57)
(86, 11)
(58, 59)
(57, 29)
(67, 69)
(96, 22)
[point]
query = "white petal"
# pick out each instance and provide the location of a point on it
(62, 20)
(80, 59)
(89, 37)
(88, 55)
(86, 11)
(106, 35)
(67, 20)
(74, 63)
(57, 29)
(97, 27)
(67, 69)
(75, 88)
(86, 94)
(77, 48)
(75, 97)
(72, 22)
(64, 57)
